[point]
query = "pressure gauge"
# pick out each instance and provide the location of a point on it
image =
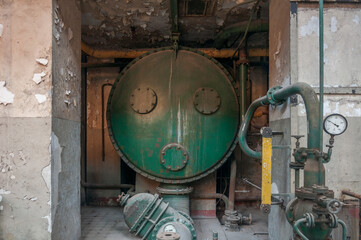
(170, 228)
(335, 124)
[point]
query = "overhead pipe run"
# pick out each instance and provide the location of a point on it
(239, 28)
(134, 53)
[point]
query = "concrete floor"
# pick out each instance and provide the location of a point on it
(107, 223)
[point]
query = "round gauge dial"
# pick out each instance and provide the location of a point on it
(335, 124)
(170, 228)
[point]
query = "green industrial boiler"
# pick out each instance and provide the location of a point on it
(173, 116)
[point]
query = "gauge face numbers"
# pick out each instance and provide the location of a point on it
(335, 124)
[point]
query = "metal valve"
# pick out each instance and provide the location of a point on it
(334, 206)
(297, 137)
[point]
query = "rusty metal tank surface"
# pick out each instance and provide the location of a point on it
(174, 116)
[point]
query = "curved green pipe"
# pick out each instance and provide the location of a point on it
(236, 29)
(344, 229)
(313, 114)
(297, 230)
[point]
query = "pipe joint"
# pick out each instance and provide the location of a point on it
(270, 96)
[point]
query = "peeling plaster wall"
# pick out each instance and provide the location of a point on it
(342, 51)
(65, 147)
(25, 122)
(115, 24)
(279, 75)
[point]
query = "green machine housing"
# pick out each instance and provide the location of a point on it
(173, 116)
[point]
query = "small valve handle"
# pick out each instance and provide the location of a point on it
(334, 206)
(297, 137)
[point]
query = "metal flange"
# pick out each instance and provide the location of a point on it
(271, 98)
(173, 156)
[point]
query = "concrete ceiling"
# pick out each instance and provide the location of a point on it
(116, 24)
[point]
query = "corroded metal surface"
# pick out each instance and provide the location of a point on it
(202, 141)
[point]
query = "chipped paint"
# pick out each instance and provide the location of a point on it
(274, 188)
(46, 174)
(333, 24)
(6, 96)
(325, 46)
(356, 19)
(70, 34)
(4, 192)
(40, 97)
(42, 61)
(56, 150)
(38, 77)
(48, 217)
(310, 28)
(347, 107)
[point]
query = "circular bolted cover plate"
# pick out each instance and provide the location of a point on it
(207, 100)
(143, 100)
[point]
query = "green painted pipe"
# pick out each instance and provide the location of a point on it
(174, 15)
(238, 28)
(297, 230)
(321, 68)
(344, 229)
(243, 74)
(313, 114)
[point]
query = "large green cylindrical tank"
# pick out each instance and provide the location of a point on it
(173, 116)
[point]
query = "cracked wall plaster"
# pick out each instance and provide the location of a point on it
(6, 96)
(42, 61)
(40, 98)
(38, 77)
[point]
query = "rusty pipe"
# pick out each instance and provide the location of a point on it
(350, 193)
(134, 53)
